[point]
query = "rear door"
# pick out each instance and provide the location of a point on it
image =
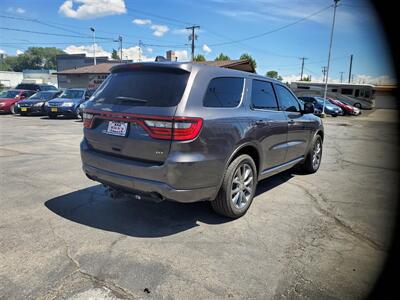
(133, 110)
(299, 125)
(271, 125)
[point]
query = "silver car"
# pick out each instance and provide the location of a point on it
(188, 132)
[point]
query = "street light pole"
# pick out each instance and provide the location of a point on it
(94, 45)
(329, 55)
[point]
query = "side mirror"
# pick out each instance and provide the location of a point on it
(308, 108)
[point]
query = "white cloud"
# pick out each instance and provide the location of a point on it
(18, 10)
(182, 55)
(159, 30)
(19, 52)
(150, 50)
(2, 51)
(206, 49)
(141, 21)
(89, 9)
(136, 54)
(88, 50)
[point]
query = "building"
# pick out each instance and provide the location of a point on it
(85, 77)
(11, 79)
(73, 61)
(92, 76)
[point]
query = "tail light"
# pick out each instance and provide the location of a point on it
(165, 128)
(177, 129)
(87, 120)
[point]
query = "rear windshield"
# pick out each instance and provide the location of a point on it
(27, 86)
(47, 88)
(142, 88)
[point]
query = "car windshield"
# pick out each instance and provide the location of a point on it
(48, 88)
(72, 94)
(43, 95)
(9, 94)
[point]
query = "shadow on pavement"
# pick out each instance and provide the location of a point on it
(92, 207)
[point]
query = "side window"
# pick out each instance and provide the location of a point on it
(224, 92)
(263, 96)
(287, 101)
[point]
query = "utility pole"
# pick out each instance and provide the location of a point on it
(329, 54)
(193, 37)
(120, 47)
(341, 77)
(351, 66)
(324, 73)
(302, 67)
(140, 50)
(94, 45)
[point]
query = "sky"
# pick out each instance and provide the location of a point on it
(277, 33)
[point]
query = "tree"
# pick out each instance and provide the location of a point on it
(114, 54)
(274, 74)
(222, 56)
(33, 58)
(250, 59)
(199, 57)
(306, 78)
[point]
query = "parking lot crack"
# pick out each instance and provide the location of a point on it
(318, 199)
(114, 287)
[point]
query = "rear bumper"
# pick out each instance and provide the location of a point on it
(145, 179)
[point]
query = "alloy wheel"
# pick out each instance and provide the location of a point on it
(242, 186)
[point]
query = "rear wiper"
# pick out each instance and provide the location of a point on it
(131, 99)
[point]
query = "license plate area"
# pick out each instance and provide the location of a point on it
(54, 109)
(117, 128)
(24, 109)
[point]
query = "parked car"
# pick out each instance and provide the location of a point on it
(67, 103)
(83, 104)
(35, 104)
(318, 102)
(36, 87)
(189, 132)
(8, 99)
(347, 109)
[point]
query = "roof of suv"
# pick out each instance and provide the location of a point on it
(189, 66)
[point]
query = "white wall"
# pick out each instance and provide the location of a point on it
(10, 79)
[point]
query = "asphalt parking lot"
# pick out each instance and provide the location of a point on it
(321, 236)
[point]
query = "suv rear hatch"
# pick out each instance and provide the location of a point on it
(131, 115)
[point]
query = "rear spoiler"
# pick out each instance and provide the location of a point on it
(154, 66)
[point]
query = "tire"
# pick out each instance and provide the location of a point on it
(234, 205)
(310, 166)
(51, 116)
(358, 105)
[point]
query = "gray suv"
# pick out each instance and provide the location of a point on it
(188, 132)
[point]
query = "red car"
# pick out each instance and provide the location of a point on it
(9, 98)
(348, 109)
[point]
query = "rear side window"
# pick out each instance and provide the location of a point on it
(286, 100)
(143, 88)
(263, 96)
(224, 92)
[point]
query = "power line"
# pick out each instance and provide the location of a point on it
(274, 30)
(52, 34)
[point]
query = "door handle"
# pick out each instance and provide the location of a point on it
(291, 121)
(261, 123)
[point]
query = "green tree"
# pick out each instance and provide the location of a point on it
(33, 58)
(114, 54)
(274, 74)
(250, 59)
(199, 57)
(222, 56)
(306, 78)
